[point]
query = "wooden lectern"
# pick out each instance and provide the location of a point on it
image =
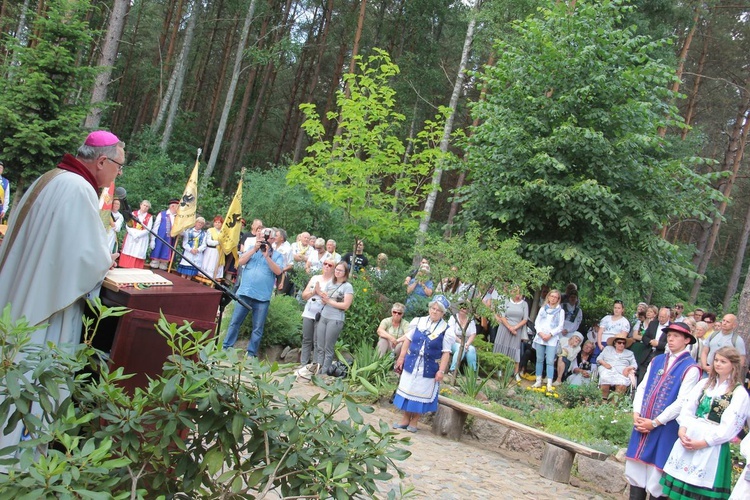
(132, 339)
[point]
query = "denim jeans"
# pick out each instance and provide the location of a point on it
(545, 353)
(260, 311)
(469, 354)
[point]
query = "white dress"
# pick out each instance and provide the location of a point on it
(619, 361)
(698, 467)
(211, 256)
(137, 240)
(741, 490)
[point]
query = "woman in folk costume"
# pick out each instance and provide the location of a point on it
(213, 262)
(135, 244)
(424, 360)
(194, 244)
(700, 464)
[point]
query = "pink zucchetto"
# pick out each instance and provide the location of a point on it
(101, 139)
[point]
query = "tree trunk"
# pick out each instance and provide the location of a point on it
(227, 52)
(230, 93)
(121, 112)
(732, 159)
(681, 58)
(448, 129)
(322, 38)
(743, 313)
(163, 60)
(739, 257)
(462, 176)
(203, 65)
(180, 69)
(693, 98)
(107, 59)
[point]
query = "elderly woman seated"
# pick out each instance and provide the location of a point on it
(617, 365)
(567, 352)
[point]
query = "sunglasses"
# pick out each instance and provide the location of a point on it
(400, 313)
(326, 264)
(620, 342)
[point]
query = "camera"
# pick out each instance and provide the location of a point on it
(264, 244)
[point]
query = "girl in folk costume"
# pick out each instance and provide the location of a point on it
(135, 244)
(424, 360)
(213, 261)
(700, 465)
(194, 243)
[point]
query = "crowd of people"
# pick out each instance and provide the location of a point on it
(686, 369)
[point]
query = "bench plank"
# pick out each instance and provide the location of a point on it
(544, 436)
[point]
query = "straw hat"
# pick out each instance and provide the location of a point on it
(621, 336)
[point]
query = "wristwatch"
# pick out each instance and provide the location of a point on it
(655, 424)
(441, 372)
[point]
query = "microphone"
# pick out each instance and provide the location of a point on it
(122, 195)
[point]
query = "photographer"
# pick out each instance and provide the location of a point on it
(418, 288)
(262, 266)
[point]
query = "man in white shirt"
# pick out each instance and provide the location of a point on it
(658, 401)
(724, 336)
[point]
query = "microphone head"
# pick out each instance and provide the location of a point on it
(120, 192)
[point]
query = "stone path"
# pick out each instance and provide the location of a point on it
(446, 470)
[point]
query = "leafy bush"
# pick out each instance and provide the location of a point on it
(491, 363)
(369, 370)
(283, 324)
(364, 315)
(579, 395)
(213, 424)
(605, 426)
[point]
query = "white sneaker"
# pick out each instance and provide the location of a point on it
(518, 378)
(538, 382)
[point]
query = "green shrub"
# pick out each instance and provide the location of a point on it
(364, 315)
(214, 424)
(491, 363)
(369, 370)
(604, 426)
(283, 323)
(579, 395)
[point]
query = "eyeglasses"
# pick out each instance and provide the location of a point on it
(400, 313)
(121, 165)
(327, 264)
(620, 342)
(679, 307)
(707, 321)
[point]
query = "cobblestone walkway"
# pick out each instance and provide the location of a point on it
(446, 470)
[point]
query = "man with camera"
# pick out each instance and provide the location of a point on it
(261, 267)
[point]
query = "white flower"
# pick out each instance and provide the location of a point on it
(613, 422)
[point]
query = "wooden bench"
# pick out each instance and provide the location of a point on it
(559, 453)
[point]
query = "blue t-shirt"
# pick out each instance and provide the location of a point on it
(258, 279)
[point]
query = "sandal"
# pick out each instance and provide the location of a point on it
(411, 429)
(400, 426)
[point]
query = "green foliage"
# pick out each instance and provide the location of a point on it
(568, 153)
(470, 384)
(362, 170)
(368, 370)
(579, 395)
(288, 206)
(365, 313)
(214, 424)
(41, 110)
(605, 426)
(152, 175)
(491, 363)
(283, 323)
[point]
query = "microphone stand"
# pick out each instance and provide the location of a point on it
(227, 295)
